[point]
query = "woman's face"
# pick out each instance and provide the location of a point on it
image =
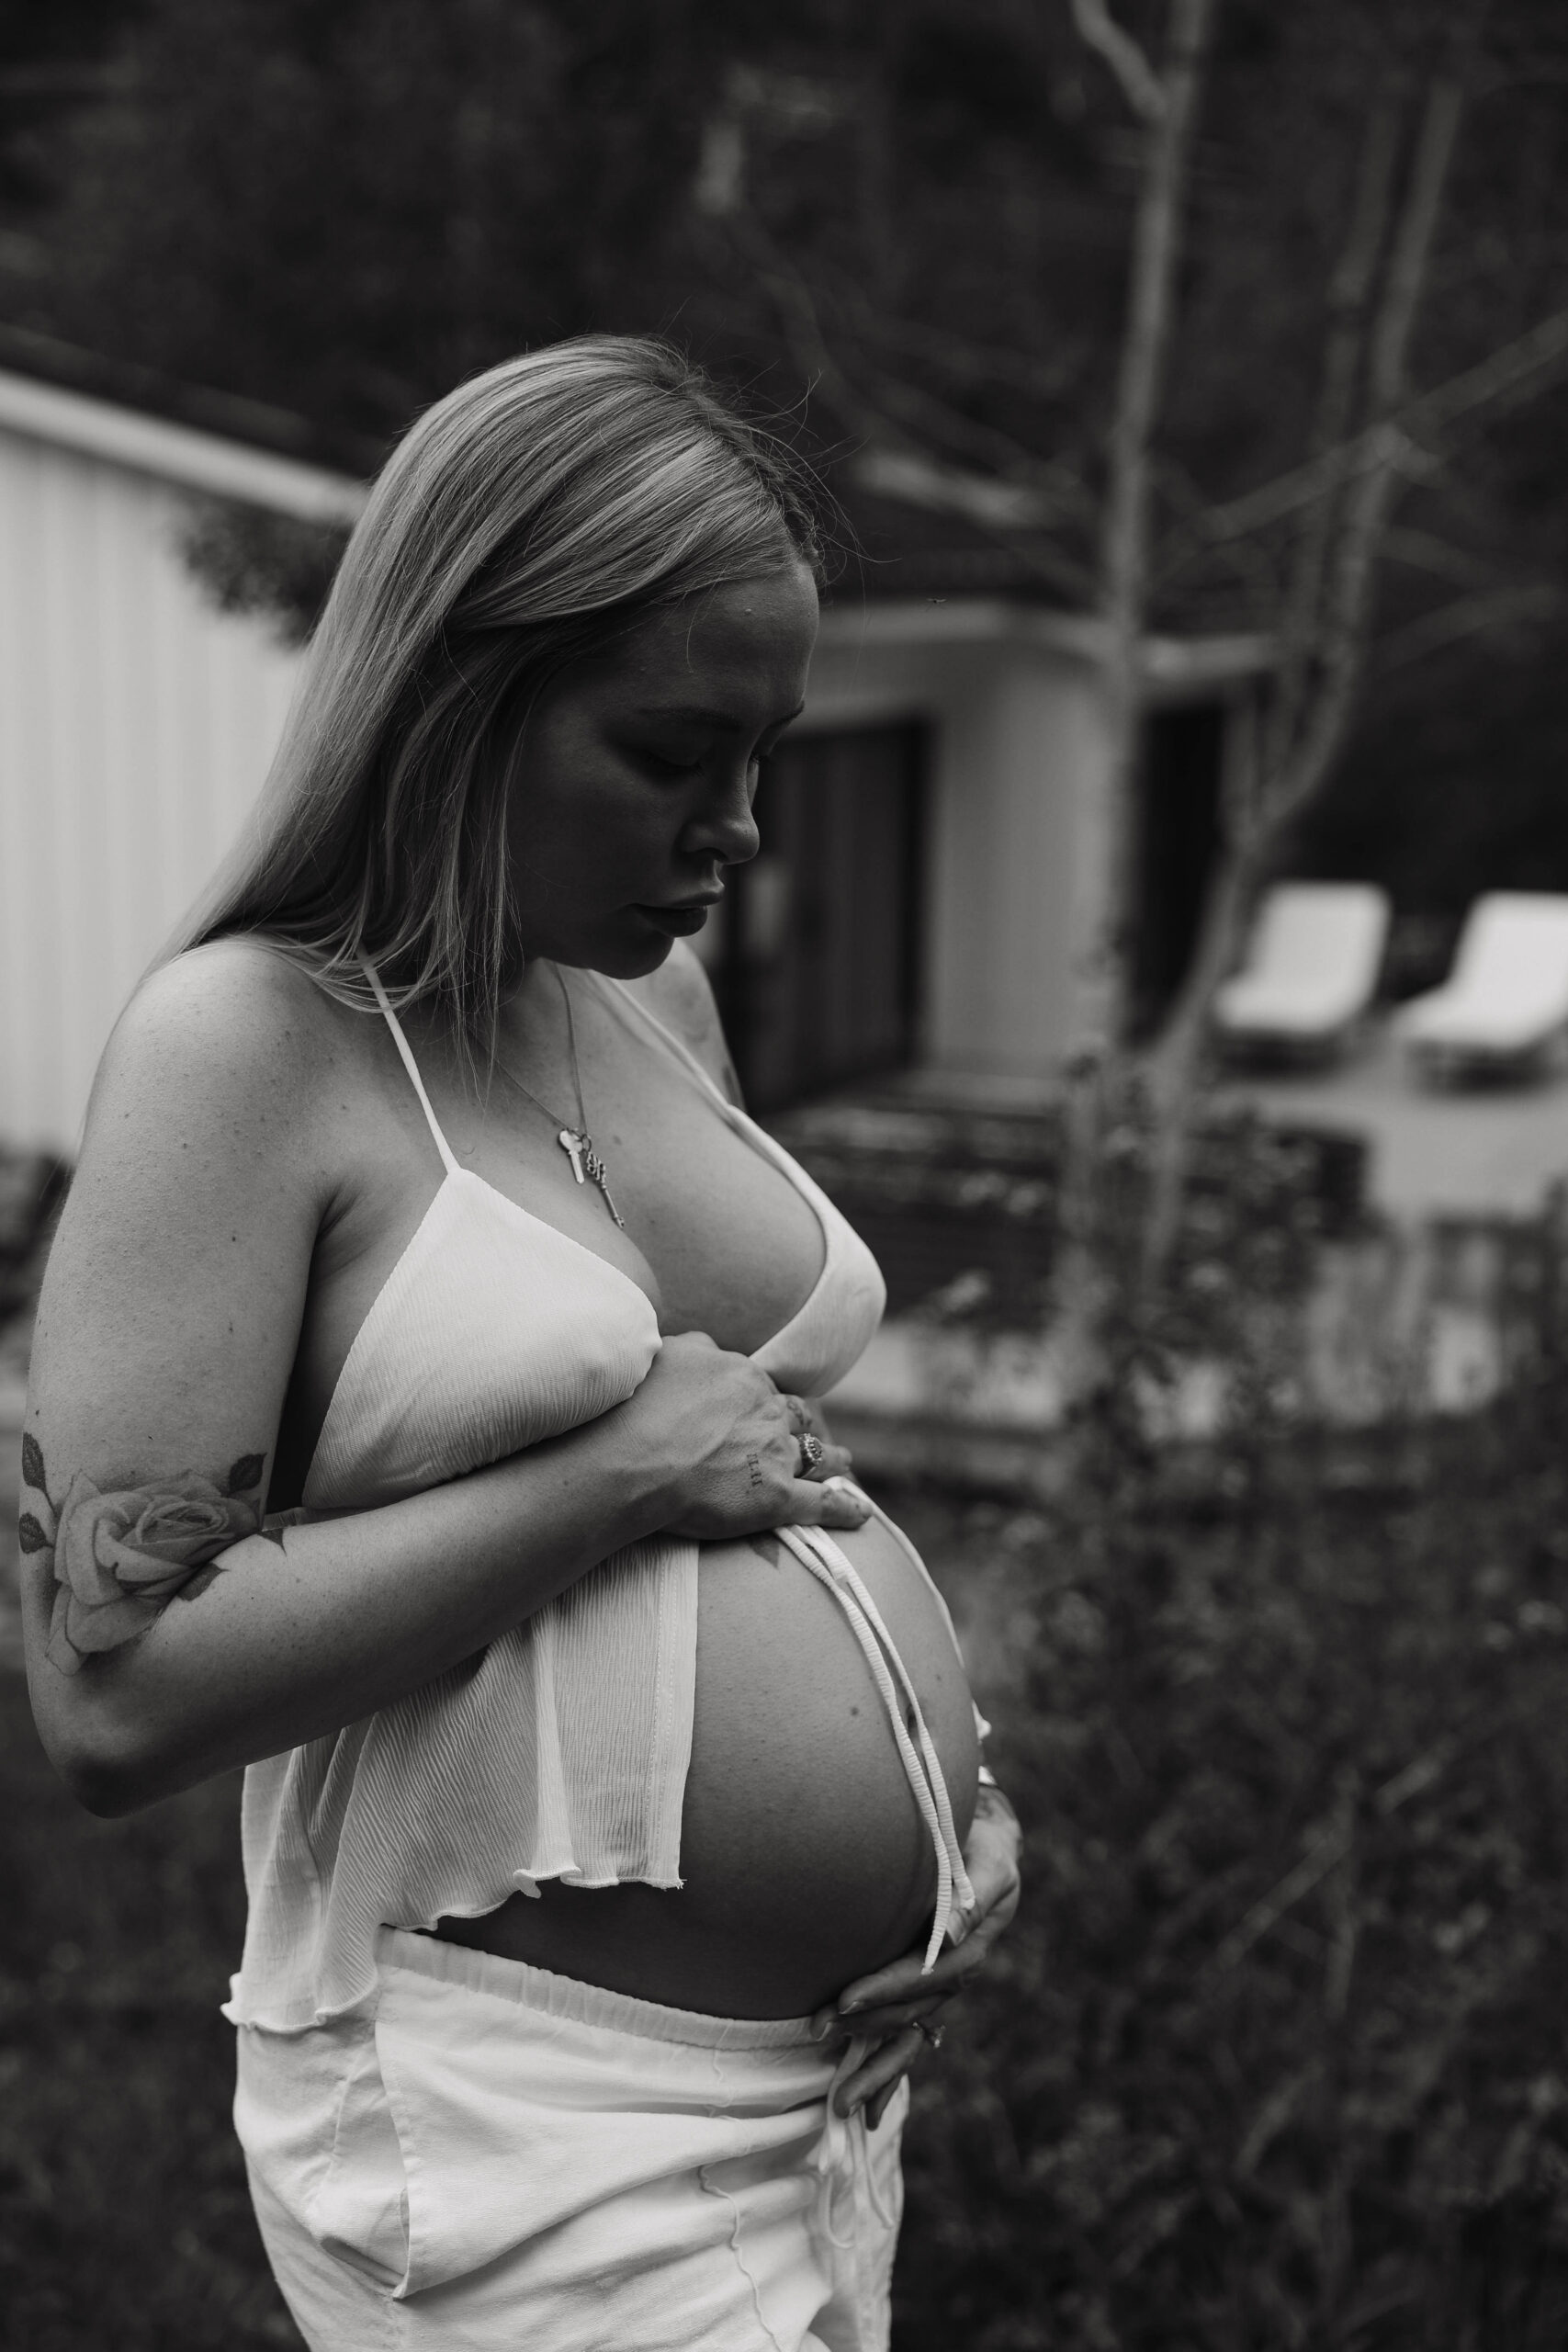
(637, 771)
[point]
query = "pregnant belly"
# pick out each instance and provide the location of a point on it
(804, 1854)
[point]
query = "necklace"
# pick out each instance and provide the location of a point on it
(576, 1142)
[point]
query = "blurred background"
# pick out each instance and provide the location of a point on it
(1159, 945)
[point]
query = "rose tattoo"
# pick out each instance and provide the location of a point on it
(121, 1558)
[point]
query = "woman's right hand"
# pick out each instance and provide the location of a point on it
(727, 1436)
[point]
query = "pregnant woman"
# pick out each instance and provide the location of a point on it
(420, 1417)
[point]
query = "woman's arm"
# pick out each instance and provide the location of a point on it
(168, 1638)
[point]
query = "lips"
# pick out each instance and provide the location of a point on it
(680, 922)
(685, 916)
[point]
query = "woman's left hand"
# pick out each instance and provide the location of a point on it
(893, 2008)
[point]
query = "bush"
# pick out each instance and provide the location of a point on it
(1273, 2057)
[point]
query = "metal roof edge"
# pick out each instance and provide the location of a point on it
(183, 454)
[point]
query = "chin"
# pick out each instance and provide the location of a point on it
(634, 963)
(625, 953)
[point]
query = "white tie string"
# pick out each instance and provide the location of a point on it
(817, 1551)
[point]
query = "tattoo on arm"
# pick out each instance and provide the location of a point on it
(119, 1558)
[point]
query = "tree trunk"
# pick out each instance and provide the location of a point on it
(1097, 1081)
(1124, 543)
(1327, 612)
(1175, 1068)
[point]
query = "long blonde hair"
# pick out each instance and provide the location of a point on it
(525, 521)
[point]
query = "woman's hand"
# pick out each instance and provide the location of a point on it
(808, 1419)
(894, 2009)
(731, 1442)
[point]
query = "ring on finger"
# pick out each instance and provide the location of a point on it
(812, 1452)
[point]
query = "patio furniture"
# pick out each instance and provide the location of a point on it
(1311, 967)
(1506, 999)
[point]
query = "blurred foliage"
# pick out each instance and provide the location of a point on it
(52, 61)
(1274, 2057)
(251, 560)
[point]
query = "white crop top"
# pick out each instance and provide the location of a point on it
(559, 1751)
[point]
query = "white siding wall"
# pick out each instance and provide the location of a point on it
(1012, 879)
(136, 727)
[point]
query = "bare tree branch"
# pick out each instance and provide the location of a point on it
(912, 478)
(1425, 551)
(1058, 483)
(1247, 558)
(1468, 616)
(1412, 257)
(1058, 490)
(1015, 512)
(1009, 512)
(1349, 293)
(1141, 86)
(1342, 643)
(960, 356)
(1521, 368)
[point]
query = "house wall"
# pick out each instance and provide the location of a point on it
(136, 726)
(1015, 848)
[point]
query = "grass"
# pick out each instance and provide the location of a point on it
(1276, 2058)
(124, 2220)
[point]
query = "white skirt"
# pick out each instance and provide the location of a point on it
(498, 2156)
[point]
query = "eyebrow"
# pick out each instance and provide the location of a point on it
(695, 715)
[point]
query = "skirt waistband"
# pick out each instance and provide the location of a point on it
(593, 2005)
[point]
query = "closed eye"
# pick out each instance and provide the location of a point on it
(659, 764)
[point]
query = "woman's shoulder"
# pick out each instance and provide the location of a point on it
(236, 1020)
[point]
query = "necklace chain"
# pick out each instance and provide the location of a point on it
(587, 1164)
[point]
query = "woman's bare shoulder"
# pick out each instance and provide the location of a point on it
(230, 1023)
(680, 994)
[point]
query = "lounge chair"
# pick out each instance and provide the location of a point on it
(1312, 965)
(1507, 997)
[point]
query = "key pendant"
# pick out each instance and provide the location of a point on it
(587, 1166)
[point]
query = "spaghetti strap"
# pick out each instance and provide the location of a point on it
(447, 1156)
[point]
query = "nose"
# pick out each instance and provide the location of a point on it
(724, 827)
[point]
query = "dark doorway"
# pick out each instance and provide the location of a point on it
(1178, 818)
(816, 963)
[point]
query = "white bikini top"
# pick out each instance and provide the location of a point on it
(495, 1329)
